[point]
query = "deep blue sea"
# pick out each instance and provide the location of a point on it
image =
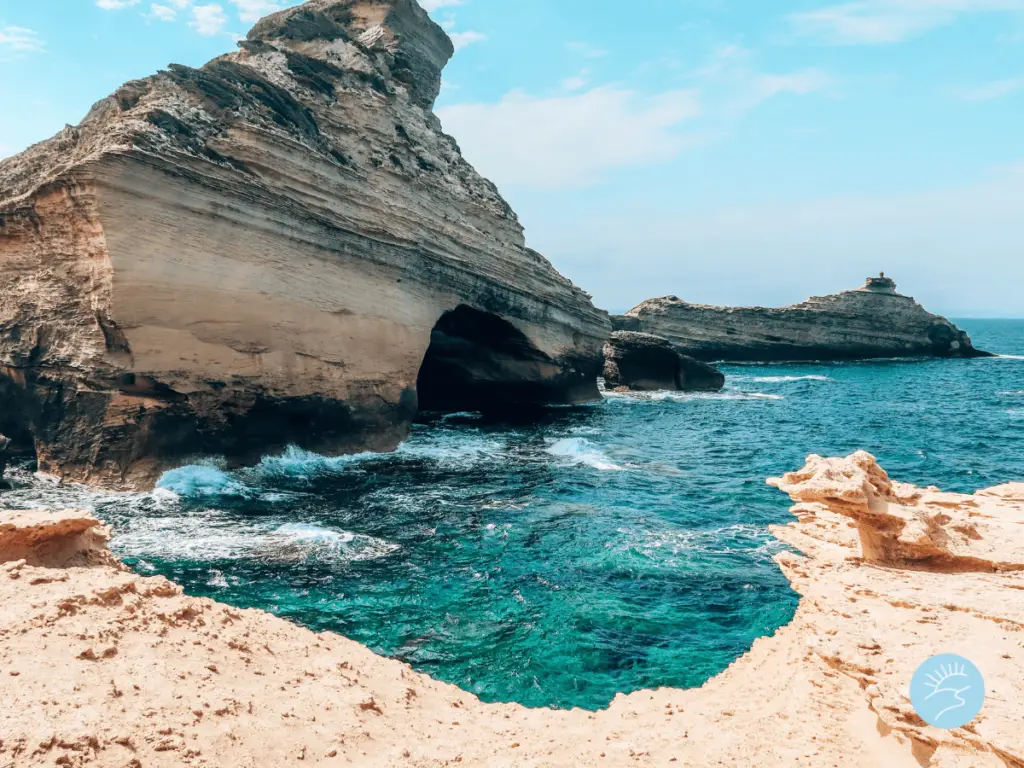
(608, 548)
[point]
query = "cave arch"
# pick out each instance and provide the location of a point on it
(478, 361)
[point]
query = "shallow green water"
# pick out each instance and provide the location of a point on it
(612, 547)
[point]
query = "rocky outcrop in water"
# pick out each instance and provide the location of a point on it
(870, 322)
(280, 247)
(890, 575)
(646, 363)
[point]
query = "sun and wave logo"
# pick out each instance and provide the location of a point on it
(947, 691)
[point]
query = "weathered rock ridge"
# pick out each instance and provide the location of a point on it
(102, 667)
(870, 322)
(645, 363)
(266, 251)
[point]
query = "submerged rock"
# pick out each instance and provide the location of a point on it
(645, 363)
(870, 322)
(271, 249)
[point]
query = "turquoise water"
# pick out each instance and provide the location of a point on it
(610, 548)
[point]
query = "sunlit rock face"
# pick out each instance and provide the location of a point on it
(229, 259)
(870, 322)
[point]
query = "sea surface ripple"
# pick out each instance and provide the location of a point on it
(608, 548)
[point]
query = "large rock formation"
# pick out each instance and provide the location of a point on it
(265, 251)
(890, 576)
(870, 322)
(646, 363)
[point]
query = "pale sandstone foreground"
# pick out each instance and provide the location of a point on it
(99, 666)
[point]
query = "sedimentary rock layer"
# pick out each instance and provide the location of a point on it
(102, 667)
(265, 251)
(645, 363)
(869, 322)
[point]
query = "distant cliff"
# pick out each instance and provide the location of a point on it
(870, 322)
(279, 247)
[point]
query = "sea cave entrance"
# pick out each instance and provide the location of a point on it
(478, 361)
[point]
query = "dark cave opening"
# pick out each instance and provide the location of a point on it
(478, 361)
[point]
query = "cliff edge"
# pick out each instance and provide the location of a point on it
(870, 322)
(102, 667)
(279, 247)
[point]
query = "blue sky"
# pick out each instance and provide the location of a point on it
(726, 151)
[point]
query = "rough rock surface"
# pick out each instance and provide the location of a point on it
(262, 252)
(646, 363)
(872, 321)
(101, 667)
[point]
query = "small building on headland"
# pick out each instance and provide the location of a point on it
(880, 284)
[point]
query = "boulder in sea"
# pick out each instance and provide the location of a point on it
(870, 322)
(645, 363)
(281, 247)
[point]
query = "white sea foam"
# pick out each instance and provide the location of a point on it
(680, 397)
(780, 379)
(205, 479)
(211, 535)
(1008, 357)
(579, 450)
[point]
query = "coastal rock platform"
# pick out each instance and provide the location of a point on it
(102, 667)
(645, 363)
(871, 322)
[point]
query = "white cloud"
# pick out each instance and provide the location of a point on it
(576, 82)
(433, 5)
(994, 90)
(875, 22)
(208, 20)
(116, 5)
(254, 10)
(6, 151)
(162, 12)
(461, 39)
(20, 39)
(573, 140)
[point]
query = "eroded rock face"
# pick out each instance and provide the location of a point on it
(229, 259)
(873, 321)
(646, 363)
(79, 646)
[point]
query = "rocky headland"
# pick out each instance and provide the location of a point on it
(100, 666)
(645, 363)
(279, 247)
(870, 322)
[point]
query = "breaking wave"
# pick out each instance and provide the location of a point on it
(579, 450)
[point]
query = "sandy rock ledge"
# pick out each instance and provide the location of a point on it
(102, 667)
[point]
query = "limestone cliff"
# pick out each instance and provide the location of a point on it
(103, 667)
(644, 363)
(271, 249)
(870, 322)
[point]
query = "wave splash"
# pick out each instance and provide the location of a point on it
(579, 450)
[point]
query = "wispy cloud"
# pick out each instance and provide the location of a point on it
(20, 39)
(587, 50)
(576, 82)
(162, 12)
(208, 20)
(254, 10)
(569, 141)
(997, 89)
(116, 5)
(877, 22)
(461, 39)
(433, 5)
